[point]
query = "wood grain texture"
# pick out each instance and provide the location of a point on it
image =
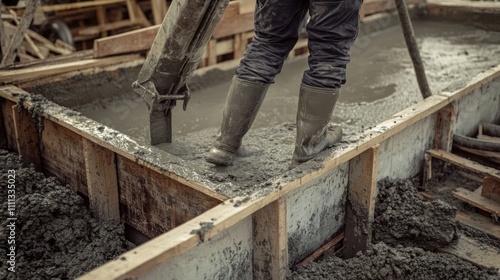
(154, 203)
(27, 139)
(62, 155)
(362, 190)
(270, 245)
(100, 168)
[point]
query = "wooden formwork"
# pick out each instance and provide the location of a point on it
(187, 245)
(192, 223)
(152, 198)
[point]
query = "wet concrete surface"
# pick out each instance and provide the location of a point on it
(381, 82)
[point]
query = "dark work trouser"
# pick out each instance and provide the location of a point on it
(332, 29)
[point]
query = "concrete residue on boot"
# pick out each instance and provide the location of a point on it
(402, 217)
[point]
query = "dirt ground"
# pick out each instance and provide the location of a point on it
(408, 231)
(56, 235)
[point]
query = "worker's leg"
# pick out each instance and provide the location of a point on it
(332, 30)
(276, 32)
(277, 25)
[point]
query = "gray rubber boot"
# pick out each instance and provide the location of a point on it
(242, 104)
(313, 133)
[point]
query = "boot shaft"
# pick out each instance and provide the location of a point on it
(313, 115)
(242, 105)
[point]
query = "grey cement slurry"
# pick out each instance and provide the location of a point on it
(381, 82)
(407, 232)
(382, 262)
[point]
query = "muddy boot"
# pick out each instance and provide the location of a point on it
(242, 104)
(314, 112)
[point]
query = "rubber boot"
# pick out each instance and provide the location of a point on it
(313, 133)
(242, 104)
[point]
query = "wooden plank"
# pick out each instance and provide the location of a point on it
(101, 20)
(427, 170)
(491, 189)
(377, 6)
(131, 10)
(142, 39)
(493, 156)
(77, 5)
(100, 168)
(140, 17)
(479, 222)
(62, 155)
(212, 52)
(465, 163)
(94, 30)
(38, 72)
(9, 55)
(270, 243)
(155, 203)
(47, 43)
(363, 171)
(128, 42)
(159, 9)
(3, 35)
(476, 200)
(179, 240)
(238, 46)
(8, 124)
(323, 249)
(489, 138)
(473, 251)
(234, 25)
(27, 139)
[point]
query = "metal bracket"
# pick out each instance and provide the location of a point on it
(154, 99)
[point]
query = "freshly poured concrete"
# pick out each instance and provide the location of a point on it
(380, 82)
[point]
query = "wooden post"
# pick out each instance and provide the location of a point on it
(101, 20)
(131, 10)
(159, 8)
(212, 52)
(3, 36)
(100, 168)
(491, 189)
(27, 140)
(361, 201)
(270, 244)
(237, 46)
(445, 126)
(10, 54)
(427, 172)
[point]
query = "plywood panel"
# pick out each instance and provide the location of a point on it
(27, 140)
(62, 155)
(154, 203)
